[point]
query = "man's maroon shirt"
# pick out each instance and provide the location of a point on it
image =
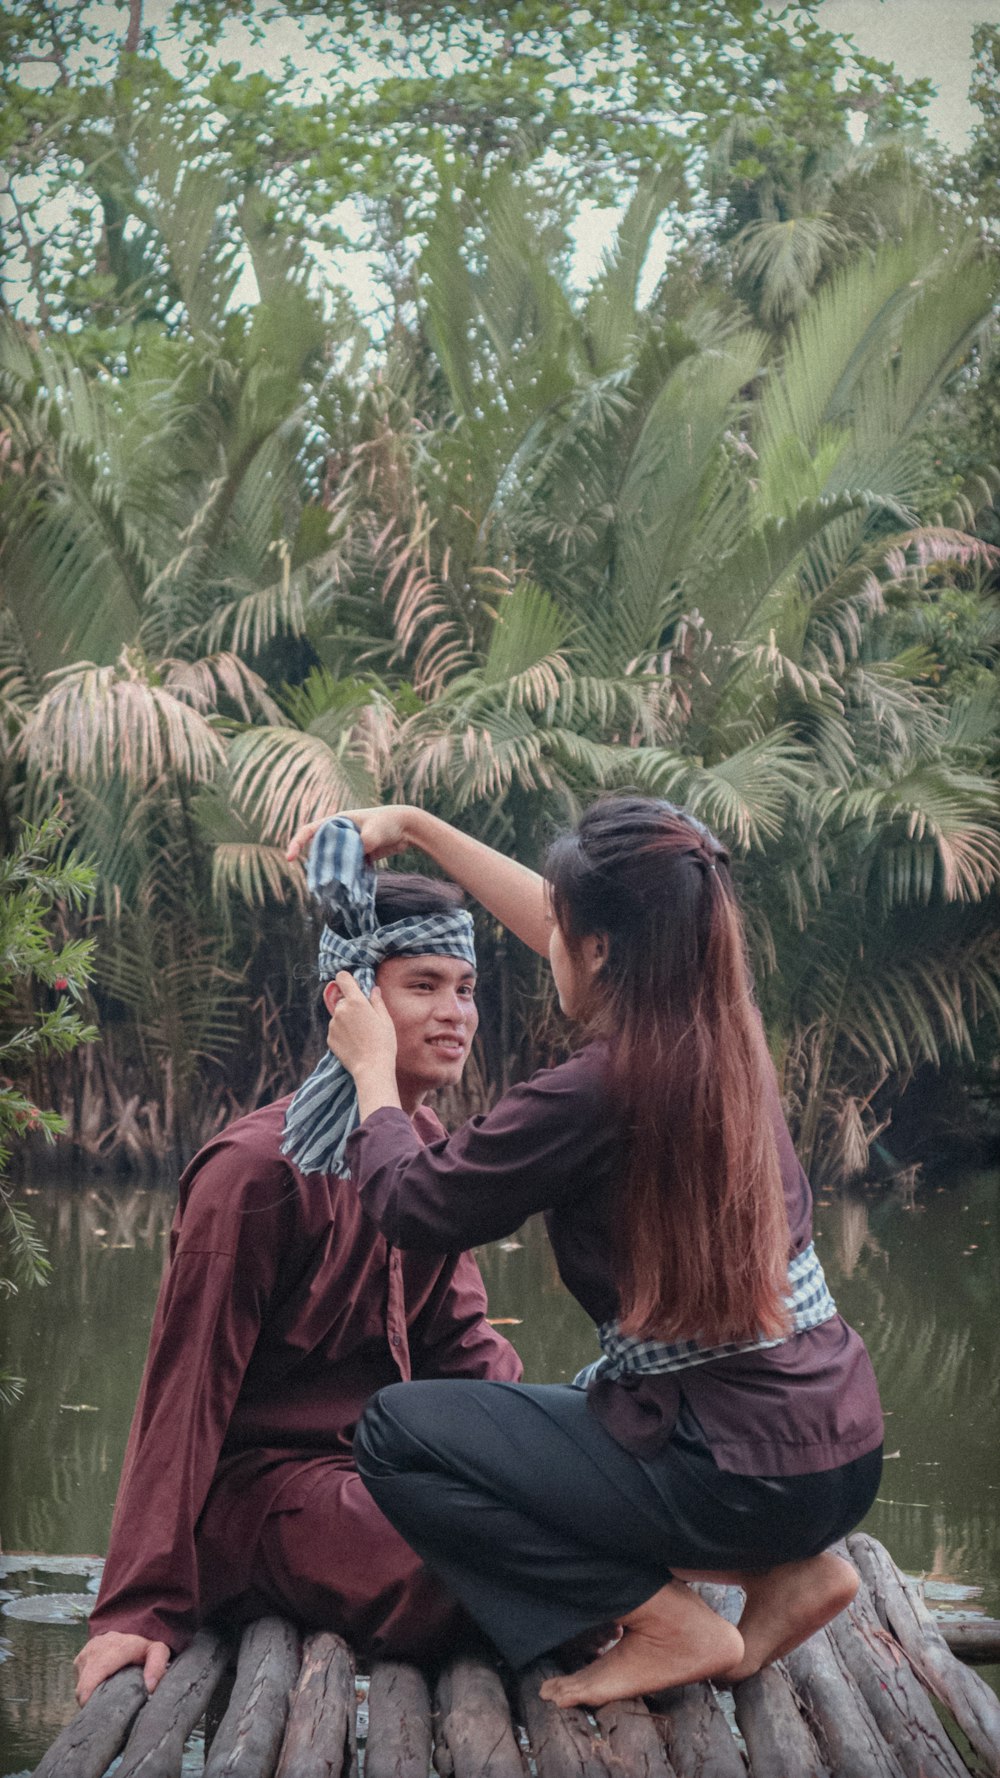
(281, 1311)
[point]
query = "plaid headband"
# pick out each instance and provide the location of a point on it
(324, 1111)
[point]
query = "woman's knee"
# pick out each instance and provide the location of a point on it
(381, 1439)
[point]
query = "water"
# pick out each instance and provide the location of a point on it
(919, 1278)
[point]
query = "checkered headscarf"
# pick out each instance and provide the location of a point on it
(324, 1111)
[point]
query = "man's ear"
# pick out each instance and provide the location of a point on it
(331, 995)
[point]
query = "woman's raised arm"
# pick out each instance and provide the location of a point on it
(510, 891)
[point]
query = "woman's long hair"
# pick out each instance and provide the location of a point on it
(703, 1237)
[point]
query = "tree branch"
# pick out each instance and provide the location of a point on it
(33, 254)
(134, 31)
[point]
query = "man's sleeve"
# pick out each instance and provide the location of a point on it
(453, 1338)
(207, 1320)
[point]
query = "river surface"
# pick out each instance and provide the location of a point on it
(919, 1277)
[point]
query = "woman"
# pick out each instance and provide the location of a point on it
(732, 1428)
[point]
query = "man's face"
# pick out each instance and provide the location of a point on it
(431, 1002)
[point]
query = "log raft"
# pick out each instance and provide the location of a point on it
(877, 1694)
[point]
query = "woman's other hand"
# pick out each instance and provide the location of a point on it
(383, 831)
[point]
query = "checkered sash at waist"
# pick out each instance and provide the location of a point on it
(808, 1301)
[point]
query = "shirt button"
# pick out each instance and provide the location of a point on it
(395, 1339)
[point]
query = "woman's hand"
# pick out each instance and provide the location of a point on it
(512, 893)
(383, 831)
(108, 1654)
(363, 1037)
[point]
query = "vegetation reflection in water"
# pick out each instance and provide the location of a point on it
(918, 1277)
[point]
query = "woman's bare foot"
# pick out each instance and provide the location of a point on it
(786, 1605)
(672, 1639)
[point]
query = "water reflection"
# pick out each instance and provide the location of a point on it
(919, 1278)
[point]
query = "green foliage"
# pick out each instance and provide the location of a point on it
(529, 541)
(378, 107)
(34, 883)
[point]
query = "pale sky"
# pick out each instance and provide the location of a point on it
(925, 39)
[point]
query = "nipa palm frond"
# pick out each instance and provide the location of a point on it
(96, 722)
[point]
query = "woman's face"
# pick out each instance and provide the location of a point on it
(572, 972)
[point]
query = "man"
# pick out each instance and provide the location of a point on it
(282, 1310)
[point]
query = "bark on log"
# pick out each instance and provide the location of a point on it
(249, 1736)
(904, 1713)
(473, 1731)
(562, 1741)
(975, 1640)
(779, 1741)
(698, 1738)
(974, 1706)
(399, 1722)
(632, 1740)
(155, 1747)
(846, 1730)
(321, 1733)
(98, 1732)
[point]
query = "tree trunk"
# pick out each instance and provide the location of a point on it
(475, 1735)
(156, 1745)
(97, 1733)
(894, 1695)
(974, 1706)
(698, 1738)
(975, 1640)
(630, 1736)
(563, 1744)
(249, 1736)
(779, 1741)
(399, 1722)
(847, 1732)
(320, 1739)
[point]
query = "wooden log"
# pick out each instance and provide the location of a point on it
(248, 1739)
(473, 1731)
(780, 1743)
(847, 1733)
(562, 1741)
(98, 1732)
(155, 1747)
(321, 1732)
(631, 1738)
(974, 1706)
(697, 1737)
(907, 1719)
(975, 1640)
(399, 1722)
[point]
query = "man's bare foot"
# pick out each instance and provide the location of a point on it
(672, 1639)
(786, 1605)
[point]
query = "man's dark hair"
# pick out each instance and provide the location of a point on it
(399, 894)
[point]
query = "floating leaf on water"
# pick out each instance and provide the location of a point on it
(504, 1320)
(78, 1407)
(32, 1563)
(888, 1455)
(50, 1608)
(949, 1589)
(510, 1246)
